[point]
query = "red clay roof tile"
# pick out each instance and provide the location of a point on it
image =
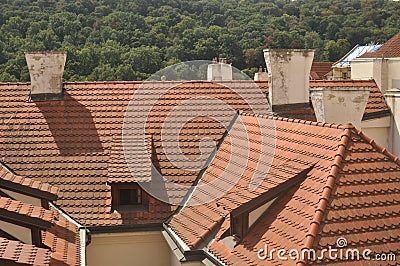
(25, 210)
(25, 254)
(390, 49)
(32, 187)
(360, 203)
(69, 143)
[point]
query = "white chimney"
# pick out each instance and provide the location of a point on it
(219, 70)
(340, 105)
(380, 73)
(261, 75)
(46, 70)
(288, 74)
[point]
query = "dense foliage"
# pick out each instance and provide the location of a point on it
(128, 40)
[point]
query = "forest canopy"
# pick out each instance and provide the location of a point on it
(130, 40)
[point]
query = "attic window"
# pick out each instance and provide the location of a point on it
(128, 198)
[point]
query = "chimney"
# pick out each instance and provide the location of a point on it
(288, 75)
(380, 73)
(219, 70)
(340, 105)
(46, 70)
(261, 75)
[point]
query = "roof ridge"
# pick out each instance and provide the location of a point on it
(7, 83)
(326, 193)
(7, 175)
(26, 209)
(378, 147)
(299, 121)
(346, 55)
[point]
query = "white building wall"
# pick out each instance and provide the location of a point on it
(362, 69)
(22, 197)
(394, 73)
(19, 232)
(127, 249)
(377, 129)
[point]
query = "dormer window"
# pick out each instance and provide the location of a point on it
(129, 198)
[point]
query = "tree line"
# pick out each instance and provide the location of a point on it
(130, 40)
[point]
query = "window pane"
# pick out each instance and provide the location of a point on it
(125, 196)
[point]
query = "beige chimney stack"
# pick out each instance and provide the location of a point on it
(340, 105)
(288, 75)
(219, 70)
(46, 70)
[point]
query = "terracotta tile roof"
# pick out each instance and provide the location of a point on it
(62, 238)
(63, 241)
(351, 189)
(20, 253)
(23, 211)
(390, 49)
(118, 169)
(364, 206)
(59, 234)
(68, 143)
(30, 186)
(320, 69)
(73, 144)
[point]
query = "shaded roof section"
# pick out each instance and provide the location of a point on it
(63, 240)
(24, 254)
(58, 233)
(357, 51)
(351, 191)
(389, 49)
(27, 186)
(21, 212)
(319, 70)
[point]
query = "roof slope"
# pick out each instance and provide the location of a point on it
(342, 195)
(30, 186)
(390, 49)
(68, 143)
(364, 207)
(63, 241)
(20, 253)
(58, 233)
(72, 144)
(15, 209)
(320, 69)
(354, 53)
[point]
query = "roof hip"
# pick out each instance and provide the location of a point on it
(326, 193)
